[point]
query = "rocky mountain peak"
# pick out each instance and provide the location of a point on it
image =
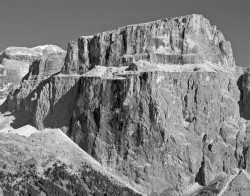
(182, 40)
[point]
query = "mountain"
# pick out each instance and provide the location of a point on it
(15, 63)
(162, 105)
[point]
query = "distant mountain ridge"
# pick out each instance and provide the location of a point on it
(15, 63)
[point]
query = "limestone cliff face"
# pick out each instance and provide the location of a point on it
(46, 66)
(189, 39)
(161, 103)
(15, 63)
(165, 131)
(29, 54)
(244, 86)
(11, 73)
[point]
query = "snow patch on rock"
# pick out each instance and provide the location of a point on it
(26, 131)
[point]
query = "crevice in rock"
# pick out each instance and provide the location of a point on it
(108, 49)
(144, 77)
(94, 49)
(182, 41)
(239, 84)
(195, 95)
(80, 50)
(185, 101)
(244, 153)
(153, 111)
(117, 88)
(139, 135)
(185, 112)
(107, 54)
(210, 147)
(200, 176)
(171, 41)
(204, 139)
(183, 33)
(243, 84)
(97, 116)
(124, 43)
(236, 155)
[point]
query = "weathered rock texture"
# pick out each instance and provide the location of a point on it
(163, 104)
(29, 54)
(15, 64)
(46, 66)
(189, 39)
(11, 73)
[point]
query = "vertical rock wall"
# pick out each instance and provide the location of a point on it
(182, 40)
(163, 130)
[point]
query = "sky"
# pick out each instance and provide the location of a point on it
(29, 23)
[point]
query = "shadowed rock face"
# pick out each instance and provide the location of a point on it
(161, 103)
(189, 39)
(46, 66)
(160, 129)
(163, 130)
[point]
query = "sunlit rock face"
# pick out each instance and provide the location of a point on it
(182, 40)
(41, 167)
(11, 73)
(16, 61)
(161, 104)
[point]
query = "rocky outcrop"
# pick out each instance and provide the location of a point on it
(190, 39)
(11, 73)
(16, 61)
(161, 103)
(46, 66)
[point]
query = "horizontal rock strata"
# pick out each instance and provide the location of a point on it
(183, 40)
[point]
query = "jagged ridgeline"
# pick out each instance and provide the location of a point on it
(160, 105)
